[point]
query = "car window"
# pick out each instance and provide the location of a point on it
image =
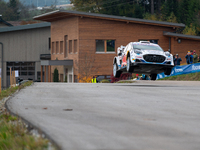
(147, 47)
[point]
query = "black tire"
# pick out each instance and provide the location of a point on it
(153, 76)
(168, 71)
(116, 72)
(129, 68)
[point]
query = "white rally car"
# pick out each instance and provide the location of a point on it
(142, 57)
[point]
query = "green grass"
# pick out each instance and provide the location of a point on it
(11, 90)
(105, 81)
(125, 81)
(13, 133)
(185, 77)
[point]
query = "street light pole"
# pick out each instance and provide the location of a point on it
(1, 64)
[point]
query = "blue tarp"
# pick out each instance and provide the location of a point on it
(178, 70)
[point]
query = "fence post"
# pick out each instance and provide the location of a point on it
(10, 77)
(0, 85)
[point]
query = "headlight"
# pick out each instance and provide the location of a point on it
(167, 53)
(137, 51)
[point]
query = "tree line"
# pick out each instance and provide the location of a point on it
(14, 10)
(177, 11)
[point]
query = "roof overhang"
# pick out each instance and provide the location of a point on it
(183, 36)
(56, 62)
(5, 22)
(25, 27)
(62, 14)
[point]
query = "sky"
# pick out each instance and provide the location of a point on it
(41, 3)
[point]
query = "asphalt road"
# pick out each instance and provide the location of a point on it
(145, 115)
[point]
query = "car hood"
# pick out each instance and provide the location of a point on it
(153, 52)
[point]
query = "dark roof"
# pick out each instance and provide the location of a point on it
(25, 27)
(183, 36)
(60, 14)
(6, 23)
(56, 62)
(15, 23)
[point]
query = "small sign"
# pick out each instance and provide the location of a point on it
(16, 73)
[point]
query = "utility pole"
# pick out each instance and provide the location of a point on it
(1, 63)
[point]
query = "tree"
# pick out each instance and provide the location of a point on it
(87, 5)
(14, 9)
(86, 68)
(188, 11)
(172, 18)
(170, 7)
(190, 30)
(55, 75)
(152, 7)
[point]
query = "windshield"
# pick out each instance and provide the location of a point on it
(148, 47)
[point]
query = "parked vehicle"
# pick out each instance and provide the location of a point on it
(142, 57)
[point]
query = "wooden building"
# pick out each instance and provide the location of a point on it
(89, 41)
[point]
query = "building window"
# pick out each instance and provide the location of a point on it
(110, 45)
(105, 45)
(66, 45)
(75, 46)
(100, 46)
(57, 47)
(53, 47)
(26, 70)
(61, 47)
(151, 41)
(70, 46)
(49, 43)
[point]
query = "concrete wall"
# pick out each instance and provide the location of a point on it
(25, 45)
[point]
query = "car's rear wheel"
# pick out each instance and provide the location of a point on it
(168, 71)
(153, 76)
(116, 72)
(129, 68)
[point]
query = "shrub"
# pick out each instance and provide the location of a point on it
(55, 75)
(105, 81)
(66, 78)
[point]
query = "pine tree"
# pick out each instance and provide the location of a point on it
(55, 75)
(14, 8)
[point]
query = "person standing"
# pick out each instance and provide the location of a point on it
(189, 58)
(94, 79)
(177, 60)
(195, 57)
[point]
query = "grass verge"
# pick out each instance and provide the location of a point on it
(13, 132)
(185, 77)
(125, 81)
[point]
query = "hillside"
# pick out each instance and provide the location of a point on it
(185, 77)
(42, 3)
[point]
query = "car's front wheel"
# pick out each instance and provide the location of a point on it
(116, 72)
(153, 76)
(168, 71)
(129, 68)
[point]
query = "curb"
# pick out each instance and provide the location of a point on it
(29, 124)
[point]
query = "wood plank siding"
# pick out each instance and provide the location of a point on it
(91, 29)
